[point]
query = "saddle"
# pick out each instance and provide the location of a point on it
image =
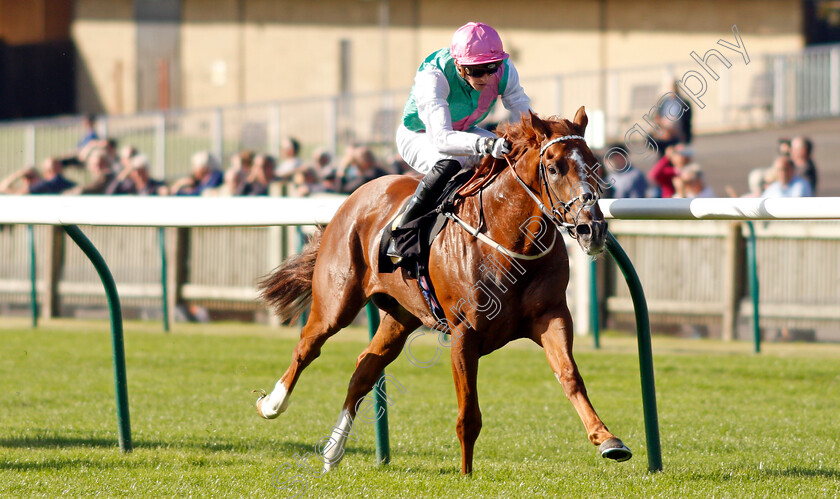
(414, 239)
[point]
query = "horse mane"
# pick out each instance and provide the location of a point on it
(522, 137)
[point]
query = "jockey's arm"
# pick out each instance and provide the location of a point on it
(514, 98)
(431, 90)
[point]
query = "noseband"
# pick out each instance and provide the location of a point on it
(559, 209)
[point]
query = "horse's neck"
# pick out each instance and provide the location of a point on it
(507, 206)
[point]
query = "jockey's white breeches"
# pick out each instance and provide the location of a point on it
(421, 154)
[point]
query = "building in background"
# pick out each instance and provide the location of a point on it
(124, 56)
(136, 55)
(37, 58)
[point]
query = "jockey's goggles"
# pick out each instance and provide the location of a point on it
(482, 70)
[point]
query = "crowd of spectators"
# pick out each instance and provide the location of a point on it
(677, 175)
(248, 173)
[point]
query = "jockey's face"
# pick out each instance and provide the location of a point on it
(477, 77)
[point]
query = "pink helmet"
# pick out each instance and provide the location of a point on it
(476, 43)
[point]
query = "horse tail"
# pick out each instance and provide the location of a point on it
(288, 289)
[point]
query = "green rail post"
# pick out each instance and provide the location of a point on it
(752, 269)
(33, 289)
(117, 344)
(301, 242)
(645, 353)
(593, 305)
(164, 295)
(383, 445)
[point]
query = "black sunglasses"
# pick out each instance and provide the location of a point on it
(483, 70)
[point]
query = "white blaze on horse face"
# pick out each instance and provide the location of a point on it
(579, 163)
(583, 171)
(276, 403)
(583, 189)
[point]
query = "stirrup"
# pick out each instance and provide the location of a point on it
(392, 253)
(392, 249)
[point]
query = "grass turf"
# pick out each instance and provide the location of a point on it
(733, 424)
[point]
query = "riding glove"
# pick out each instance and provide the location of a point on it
(495, 147)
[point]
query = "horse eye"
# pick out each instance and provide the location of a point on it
(552, 171)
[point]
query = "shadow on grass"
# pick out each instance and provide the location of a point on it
(67, 442)
(454, 470)
(805, 472)
(51, 442)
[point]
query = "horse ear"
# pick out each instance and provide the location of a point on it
(580, 118)
(540, 127)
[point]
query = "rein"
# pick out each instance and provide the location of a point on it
(555, 215)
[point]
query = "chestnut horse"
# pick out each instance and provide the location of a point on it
(546, 180)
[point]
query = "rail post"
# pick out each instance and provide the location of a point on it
(117, 344)
(645, 353)
(33, 286)
(752, 270)
(593, 305)
(164, 292)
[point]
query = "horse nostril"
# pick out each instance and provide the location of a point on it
(583, 230)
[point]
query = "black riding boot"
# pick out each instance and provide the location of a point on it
(427, 192)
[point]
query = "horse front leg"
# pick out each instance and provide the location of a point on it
(465, 371)
(555, 335)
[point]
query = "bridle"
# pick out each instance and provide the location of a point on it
(557, 213)
(559, 209)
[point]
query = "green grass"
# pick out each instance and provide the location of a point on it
(733, 424)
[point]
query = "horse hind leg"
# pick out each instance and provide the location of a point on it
(556, 340)
(382, 350)
(329, 315)
(313, 336)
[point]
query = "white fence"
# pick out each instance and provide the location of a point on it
(693, 271)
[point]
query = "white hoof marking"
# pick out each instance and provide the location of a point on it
(275, 403)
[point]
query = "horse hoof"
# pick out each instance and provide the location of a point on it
(615, 449)
(259, 403)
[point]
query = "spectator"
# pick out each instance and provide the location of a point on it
(398, 166)
(102, 172)
(329, 180)
(53, 180)
(261, 176)
(668, 167)
(321, 162)
(784, 147)
(627, 181)
(800, 153)
(206, 175)
(237, 175)
(26, 176)
(308, 178)
(785, 182)
(307, 181)
(127, 153)
(289, 159)
(690, 183)
(134, 179)
(88, 123)
(358, 167)
(674, 119)
(756, 183)
(107, 146)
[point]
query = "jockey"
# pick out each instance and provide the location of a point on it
(454, 89)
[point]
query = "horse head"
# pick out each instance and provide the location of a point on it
(560, 169)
